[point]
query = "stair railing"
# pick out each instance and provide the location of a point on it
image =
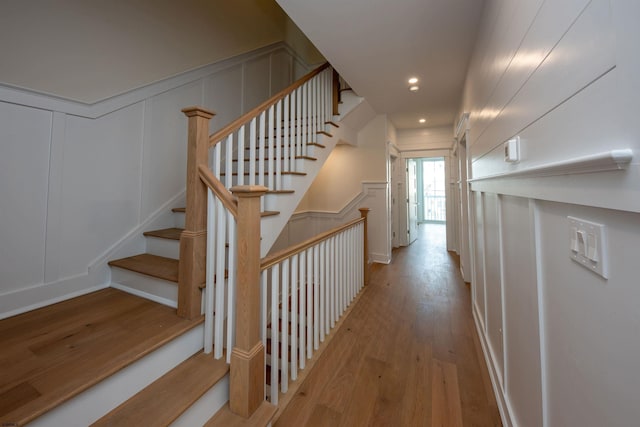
(305, 289)
(220, 246)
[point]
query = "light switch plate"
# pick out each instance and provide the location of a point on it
(512, 150)
(588, 245)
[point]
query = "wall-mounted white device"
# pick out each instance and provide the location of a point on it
(588, 245)
(512, 150)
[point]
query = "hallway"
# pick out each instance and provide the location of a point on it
(407, 355)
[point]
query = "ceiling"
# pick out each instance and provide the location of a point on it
(377, 45)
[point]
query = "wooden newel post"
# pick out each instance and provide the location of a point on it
(246, 388)
(193, 240)
(363, 214)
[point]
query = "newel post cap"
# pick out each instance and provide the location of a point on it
(248, 190)
(198, 111)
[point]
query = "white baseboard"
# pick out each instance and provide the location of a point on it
(380, 258)
(503, 407)
(34, 297)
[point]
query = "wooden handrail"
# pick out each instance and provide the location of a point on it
(227, 199)
(245, 118)
(274, 259)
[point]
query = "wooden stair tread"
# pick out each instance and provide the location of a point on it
(261, 417)
(166, 233)
(315, 144)
(179, 210)
(164, 400)
(75, 344)
(269, 213)
(322, 132)
(329, 122)
(151, 265)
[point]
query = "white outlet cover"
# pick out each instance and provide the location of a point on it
(592, 250)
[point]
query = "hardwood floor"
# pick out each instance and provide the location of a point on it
(408, 353)
(51, 354)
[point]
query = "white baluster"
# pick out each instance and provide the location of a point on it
(252, 152)
(275, 286)
(303, 120)
(288, 158)
(284, 353)
(278, 142)
(332, 279)
(228, 166)
(316, 297)
(271, 151)
(220, 279)
(208, 312)
(294, 317)
(309, 289)
(262, 154)
(231, 285)
(302, 318)
(298, 121)
(263, 304)
(322, 284)
(240, 148)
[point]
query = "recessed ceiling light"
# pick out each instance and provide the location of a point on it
(413, 80)
(414, 88)
(422, 120)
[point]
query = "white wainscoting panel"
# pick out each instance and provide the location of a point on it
(24, 167)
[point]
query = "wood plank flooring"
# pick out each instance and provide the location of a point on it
(407, 355)
(51, 354)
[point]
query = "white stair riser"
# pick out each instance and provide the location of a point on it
(158, 290)
(163, 247)
(178, 218)
(205, 407)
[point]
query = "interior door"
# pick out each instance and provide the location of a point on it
(412, 201)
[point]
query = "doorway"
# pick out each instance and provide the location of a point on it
(432, 205)
(426, 193)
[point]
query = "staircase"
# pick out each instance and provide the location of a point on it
(268, 161)
(274, 150)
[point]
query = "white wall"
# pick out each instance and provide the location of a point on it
(562, 343)
(78, 181)
(89, 51)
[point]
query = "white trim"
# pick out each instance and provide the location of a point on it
(463, 122)
(379, 258)
(145, 295)
(602, 162)
(93, 110)
(503, 406)
(50, 301)
(534, 211)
